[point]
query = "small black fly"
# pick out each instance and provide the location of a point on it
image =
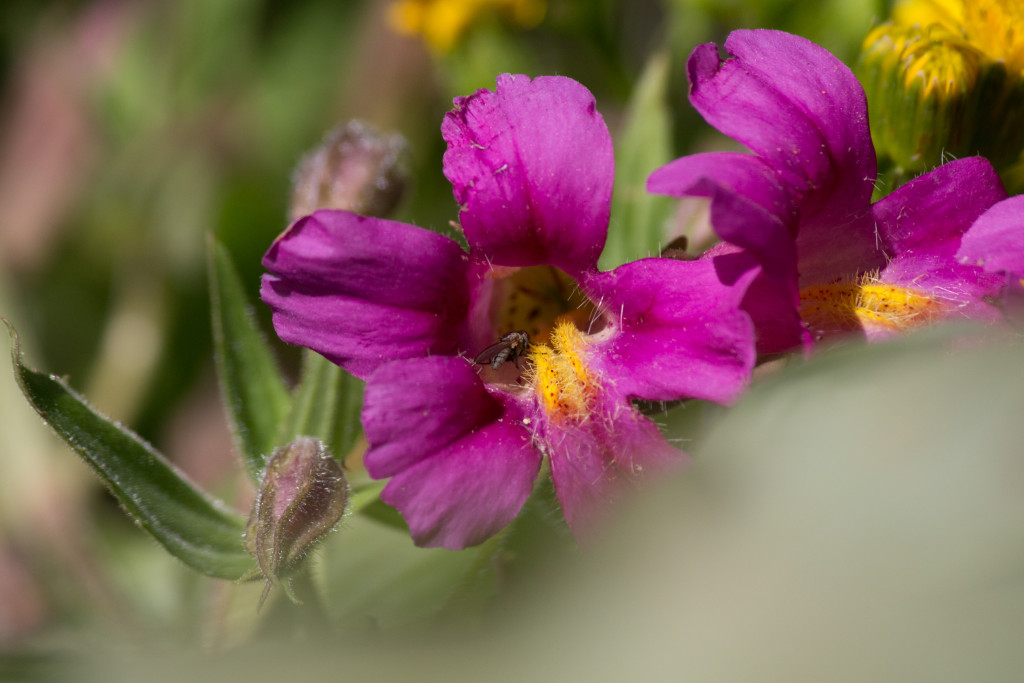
(509, 347)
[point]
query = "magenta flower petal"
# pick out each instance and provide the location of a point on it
(769, 255)
(746, 224)
(594, 463)
(773, 307)
(996, 240)
(679, 331)
(416, 407)
(469, 490)
(797, 106)
(462, 464)
(532, 168)
(839, 250)
(921, 225)
(364, 291)
(935, 209)
(965, 290)
(742, 174)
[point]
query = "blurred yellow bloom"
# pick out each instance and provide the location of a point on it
(994, 27)
(945, 78)
(442, 22)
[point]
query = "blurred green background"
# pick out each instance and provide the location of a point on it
(131, 130)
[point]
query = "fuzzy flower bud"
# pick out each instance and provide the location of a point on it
(302, 497)
(945, 85)
(920, 88)
(355, 169)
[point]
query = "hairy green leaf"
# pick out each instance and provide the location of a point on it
(255, 394)
(194, 527)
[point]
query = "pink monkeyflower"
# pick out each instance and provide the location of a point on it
(798, 211)
(409, 310)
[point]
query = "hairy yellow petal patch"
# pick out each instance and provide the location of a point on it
(559, 374)
(866, 304)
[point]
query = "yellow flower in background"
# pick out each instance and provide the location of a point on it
(993, 27)
(442, 22)
(945, 78)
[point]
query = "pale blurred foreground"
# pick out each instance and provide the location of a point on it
(856, 518)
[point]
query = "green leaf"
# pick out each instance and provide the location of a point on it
(364, 496)
(326, 405)
(637, 227)
(373, 570)
(194, 527)
(255, 394)
(373, 573)
(381, 512)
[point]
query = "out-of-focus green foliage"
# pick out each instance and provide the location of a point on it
(638, 221)
(193, 527)
(326, 404)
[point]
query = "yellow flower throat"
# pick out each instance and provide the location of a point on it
(866, 304)
(559, 375)
(546, 304)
